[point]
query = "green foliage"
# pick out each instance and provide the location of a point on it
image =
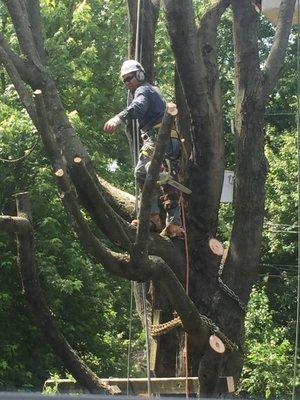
(268, 366)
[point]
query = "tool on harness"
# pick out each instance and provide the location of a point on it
(148, 149)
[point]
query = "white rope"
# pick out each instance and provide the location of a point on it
(147, 339)
(130, 338)
(136, 150)
(136, 147)
(137, 34)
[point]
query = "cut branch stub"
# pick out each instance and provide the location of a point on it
(216, 344)
(216, 247)
(77, 159)
(37, 92)
(59, 172)
(172, 108)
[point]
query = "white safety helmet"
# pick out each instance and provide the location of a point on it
(133, 66)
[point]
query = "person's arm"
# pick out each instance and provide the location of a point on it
(112, 124)
(136, 109)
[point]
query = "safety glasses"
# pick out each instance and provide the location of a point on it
(128, 78)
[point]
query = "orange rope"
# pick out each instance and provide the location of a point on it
(187, 278)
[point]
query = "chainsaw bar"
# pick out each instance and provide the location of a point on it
(167, 179)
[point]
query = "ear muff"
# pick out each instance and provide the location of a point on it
(140, 75)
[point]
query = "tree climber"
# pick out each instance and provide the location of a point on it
(148, 107)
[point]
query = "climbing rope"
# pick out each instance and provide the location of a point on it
(147, 338)
(136, 147)
(130, 338)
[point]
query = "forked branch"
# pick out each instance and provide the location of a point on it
(34, 18)
(18, 12)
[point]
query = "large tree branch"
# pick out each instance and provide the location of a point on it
(81, 170)
(18, 12)
(123, 203)
(23, 93)
(184, 41)
(207, 34)
(203, 100)
(240, 269)
(276, 56)
(94, 247)
(108, 221)
(212, 16)
(142, 238)
(26, 71)
(34, 17)
(14, 224)
(247, 65)
(186, 309)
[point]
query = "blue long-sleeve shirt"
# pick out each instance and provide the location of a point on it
(147, 106)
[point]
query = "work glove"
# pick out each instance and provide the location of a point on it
(111, 125)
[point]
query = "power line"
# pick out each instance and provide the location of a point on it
(287, 266)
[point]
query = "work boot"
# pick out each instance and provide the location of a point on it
(155, 224)
(172, 231)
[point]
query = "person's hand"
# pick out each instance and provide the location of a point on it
(111, 125)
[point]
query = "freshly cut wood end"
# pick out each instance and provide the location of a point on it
(230, 384)
(216, 247)
(172, 109)
(77, 160)
(59, 172)
(216, 344)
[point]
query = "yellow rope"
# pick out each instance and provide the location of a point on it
(161, 329)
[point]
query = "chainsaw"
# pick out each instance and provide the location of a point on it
(165, 178)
